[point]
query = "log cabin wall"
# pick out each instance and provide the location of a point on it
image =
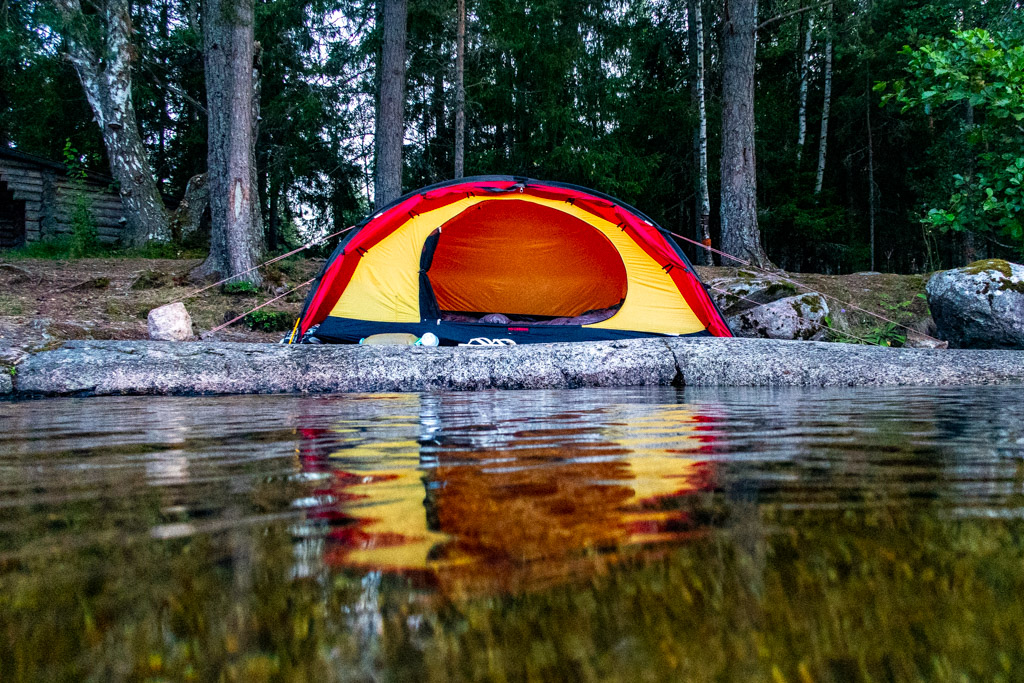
(38, 201)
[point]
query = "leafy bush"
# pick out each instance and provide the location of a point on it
(983, 73)
(85, 239)
(889, 334)
(269, 321)
(239, 287)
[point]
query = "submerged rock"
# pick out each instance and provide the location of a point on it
(794, 317)
(170, 323)
(980, 305)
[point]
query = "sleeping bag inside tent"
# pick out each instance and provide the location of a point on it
(503, 260)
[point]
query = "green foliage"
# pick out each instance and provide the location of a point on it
(85, 239)
(241, 287)
(888, 334)
(269, 321)
(982, 74)
(56, 248)
(597, 93)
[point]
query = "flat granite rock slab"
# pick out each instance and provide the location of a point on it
(148, 367)
(770, 362)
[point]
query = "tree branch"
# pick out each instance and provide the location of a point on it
(786, 15)
(176, 90)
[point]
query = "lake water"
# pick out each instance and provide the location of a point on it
(645, 534)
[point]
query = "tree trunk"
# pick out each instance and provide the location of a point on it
(871, 167)
(970, 246)
(740, 235)
(188, 217)
(273, 222)
(460, 90)
(387, 184)
(805, 63)
(823, 140)
(703, 212)
(105, 73)
(232, 102)
(437, 150)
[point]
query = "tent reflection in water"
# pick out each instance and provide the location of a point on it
(507, 508)
(512, 259)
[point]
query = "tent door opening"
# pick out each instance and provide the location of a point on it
(519, 261)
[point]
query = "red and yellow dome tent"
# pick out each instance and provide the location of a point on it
(555, 262)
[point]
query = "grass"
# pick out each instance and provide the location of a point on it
(67, 247)
(10, 305)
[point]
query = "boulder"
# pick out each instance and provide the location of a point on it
(746, 291)
(6, 385)
(794, 317)
(980, 305)
(170, 323)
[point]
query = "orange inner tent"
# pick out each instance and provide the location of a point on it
(523, 258)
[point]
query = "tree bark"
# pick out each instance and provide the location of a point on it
(805, 63)
(390, 124)
(188, 217)
(826, 107)
(871, 166)
(460, 90)
(740, 235)
(437, 151)
(232, 102)
(703, 209)
(105, 73)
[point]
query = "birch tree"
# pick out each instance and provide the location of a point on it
(232, 103)
(805, 64)
(390, 123)
(826, 107)
(740, 235)
(696, 25)
(103, 62)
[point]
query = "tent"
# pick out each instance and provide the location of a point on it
(507, 260)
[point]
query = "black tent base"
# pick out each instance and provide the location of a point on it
(349, 331)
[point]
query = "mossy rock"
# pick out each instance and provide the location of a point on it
(151, 279)
(998, 265)
(94, 283)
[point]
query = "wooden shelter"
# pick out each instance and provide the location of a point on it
(38, 201)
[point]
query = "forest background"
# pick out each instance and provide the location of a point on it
(888, 132)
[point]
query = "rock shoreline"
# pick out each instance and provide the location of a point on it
(97, 368)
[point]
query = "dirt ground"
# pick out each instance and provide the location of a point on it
(44, 303)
